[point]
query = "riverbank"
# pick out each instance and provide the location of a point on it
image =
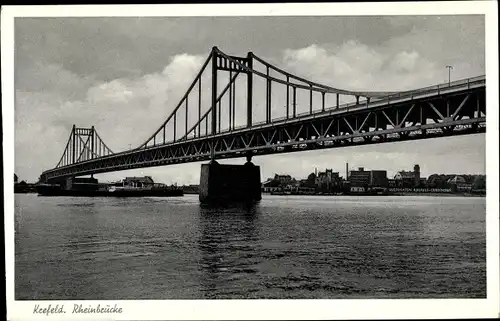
(93, 190)
(24, 188)
(388, 194)
(438, 194)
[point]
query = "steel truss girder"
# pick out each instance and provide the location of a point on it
(126, 162)
(332, 130)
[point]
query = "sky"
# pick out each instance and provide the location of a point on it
(125, 75)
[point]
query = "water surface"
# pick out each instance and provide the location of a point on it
(286, 247)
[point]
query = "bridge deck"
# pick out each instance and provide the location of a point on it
(284, 135)
(455, 108)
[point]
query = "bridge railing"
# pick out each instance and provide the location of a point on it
(346, 106)
(456, 83)
(446, 85)
(403, 94)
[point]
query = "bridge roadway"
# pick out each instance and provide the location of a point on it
(453, 109)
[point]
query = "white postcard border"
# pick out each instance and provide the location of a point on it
(265, 309)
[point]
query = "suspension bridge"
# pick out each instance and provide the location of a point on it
(214, 119)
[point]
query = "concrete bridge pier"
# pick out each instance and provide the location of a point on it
(68, 184)
(65, 183)
(223, 184)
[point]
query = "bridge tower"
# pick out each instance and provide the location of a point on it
(84, 144)
(221, 183)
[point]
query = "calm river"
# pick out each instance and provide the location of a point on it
(286, 247)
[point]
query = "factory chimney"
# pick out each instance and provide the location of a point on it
(416, 173)
(346, 171)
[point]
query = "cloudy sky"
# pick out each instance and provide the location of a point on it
(125, 75)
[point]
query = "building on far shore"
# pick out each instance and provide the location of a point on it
(361, 181)
(459, 183)
(378, 178)
(283, 179)
(145, 181)
(22, 186)
(408, 178)
(271, 185)
(328, 180)
(279, 183)
(457, 180)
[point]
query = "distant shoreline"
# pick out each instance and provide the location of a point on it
(392, 194)
(438, 194)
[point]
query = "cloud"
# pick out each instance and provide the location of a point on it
(124, 111)
(444, 40)
(46, 77)
(114, 92)
(356, 66)
(405, 61)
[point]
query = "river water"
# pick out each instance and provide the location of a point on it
(286, 247)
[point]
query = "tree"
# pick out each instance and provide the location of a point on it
(311, 180)
(479, 182)
(274, 183)
(434, 180)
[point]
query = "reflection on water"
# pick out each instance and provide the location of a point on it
(283, 247)
(228, 243)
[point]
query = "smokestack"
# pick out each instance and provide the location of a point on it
(346, 171)
(416, 173)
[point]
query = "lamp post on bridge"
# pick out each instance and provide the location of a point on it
(449, 74)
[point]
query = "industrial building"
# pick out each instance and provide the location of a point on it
(378, 178)
(328, 180)
(363, 181)
(408, 178)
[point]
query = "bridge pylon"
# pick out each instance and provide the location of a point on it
(83, 144)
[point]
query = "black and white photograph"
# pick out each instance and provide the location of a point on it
(249, 156)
